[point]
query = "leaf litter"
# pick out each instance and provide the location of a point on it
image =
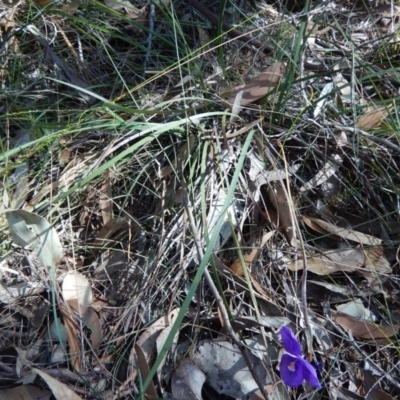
(108, 207)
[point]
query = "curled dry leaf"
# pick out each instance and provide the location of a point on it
(364, 329)
(356, 309)
(260, 86)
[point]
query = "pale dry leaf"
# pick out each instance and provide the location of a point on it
(161, 339)
(75, 168)
(93, 322)
(124, 5)
(216, 212)
(65, 152)
(358, 259)
(58, 332)
(356, 309)
(373, 118)
(20, 178)
(364, 329)
(148, 339)
(240, 323)
(43, 192)
(343, 85)
(261, 85)
(60, 390)
(328, 88)
(187, 381)
(376, 261)
(324, 228)
(31, 231)
(204, 39)
(236, 107)
(76, 287)
(327, 171)
(11, 293)
(106, 204)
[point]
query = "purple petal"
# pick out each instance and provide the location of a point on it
(310, 374)
(291, 370)
(290, 342)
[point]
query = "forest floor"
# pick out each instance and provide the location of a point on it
(181, 179)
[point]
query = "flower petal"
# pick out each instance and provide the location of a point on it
(291, 371)
(310, 374)
(290, 342)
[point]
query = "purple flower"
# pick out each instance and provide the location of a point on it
(294, 368)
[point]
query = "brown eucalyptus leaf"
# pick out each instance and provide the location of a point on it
(279, 200)
(260, 86)
(364, 329)
(144, 368)
(106, 204)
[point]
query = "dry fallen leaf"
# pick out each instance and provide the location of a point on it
(59, 389)
(148, 340)
(73, 339)
(260, 86)
(279, 200)
(187, 381)
(374, 118)
(144, 372)
(236, 266)
(363, 329)
(106, 204)
(325, 228)
(356, 259)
